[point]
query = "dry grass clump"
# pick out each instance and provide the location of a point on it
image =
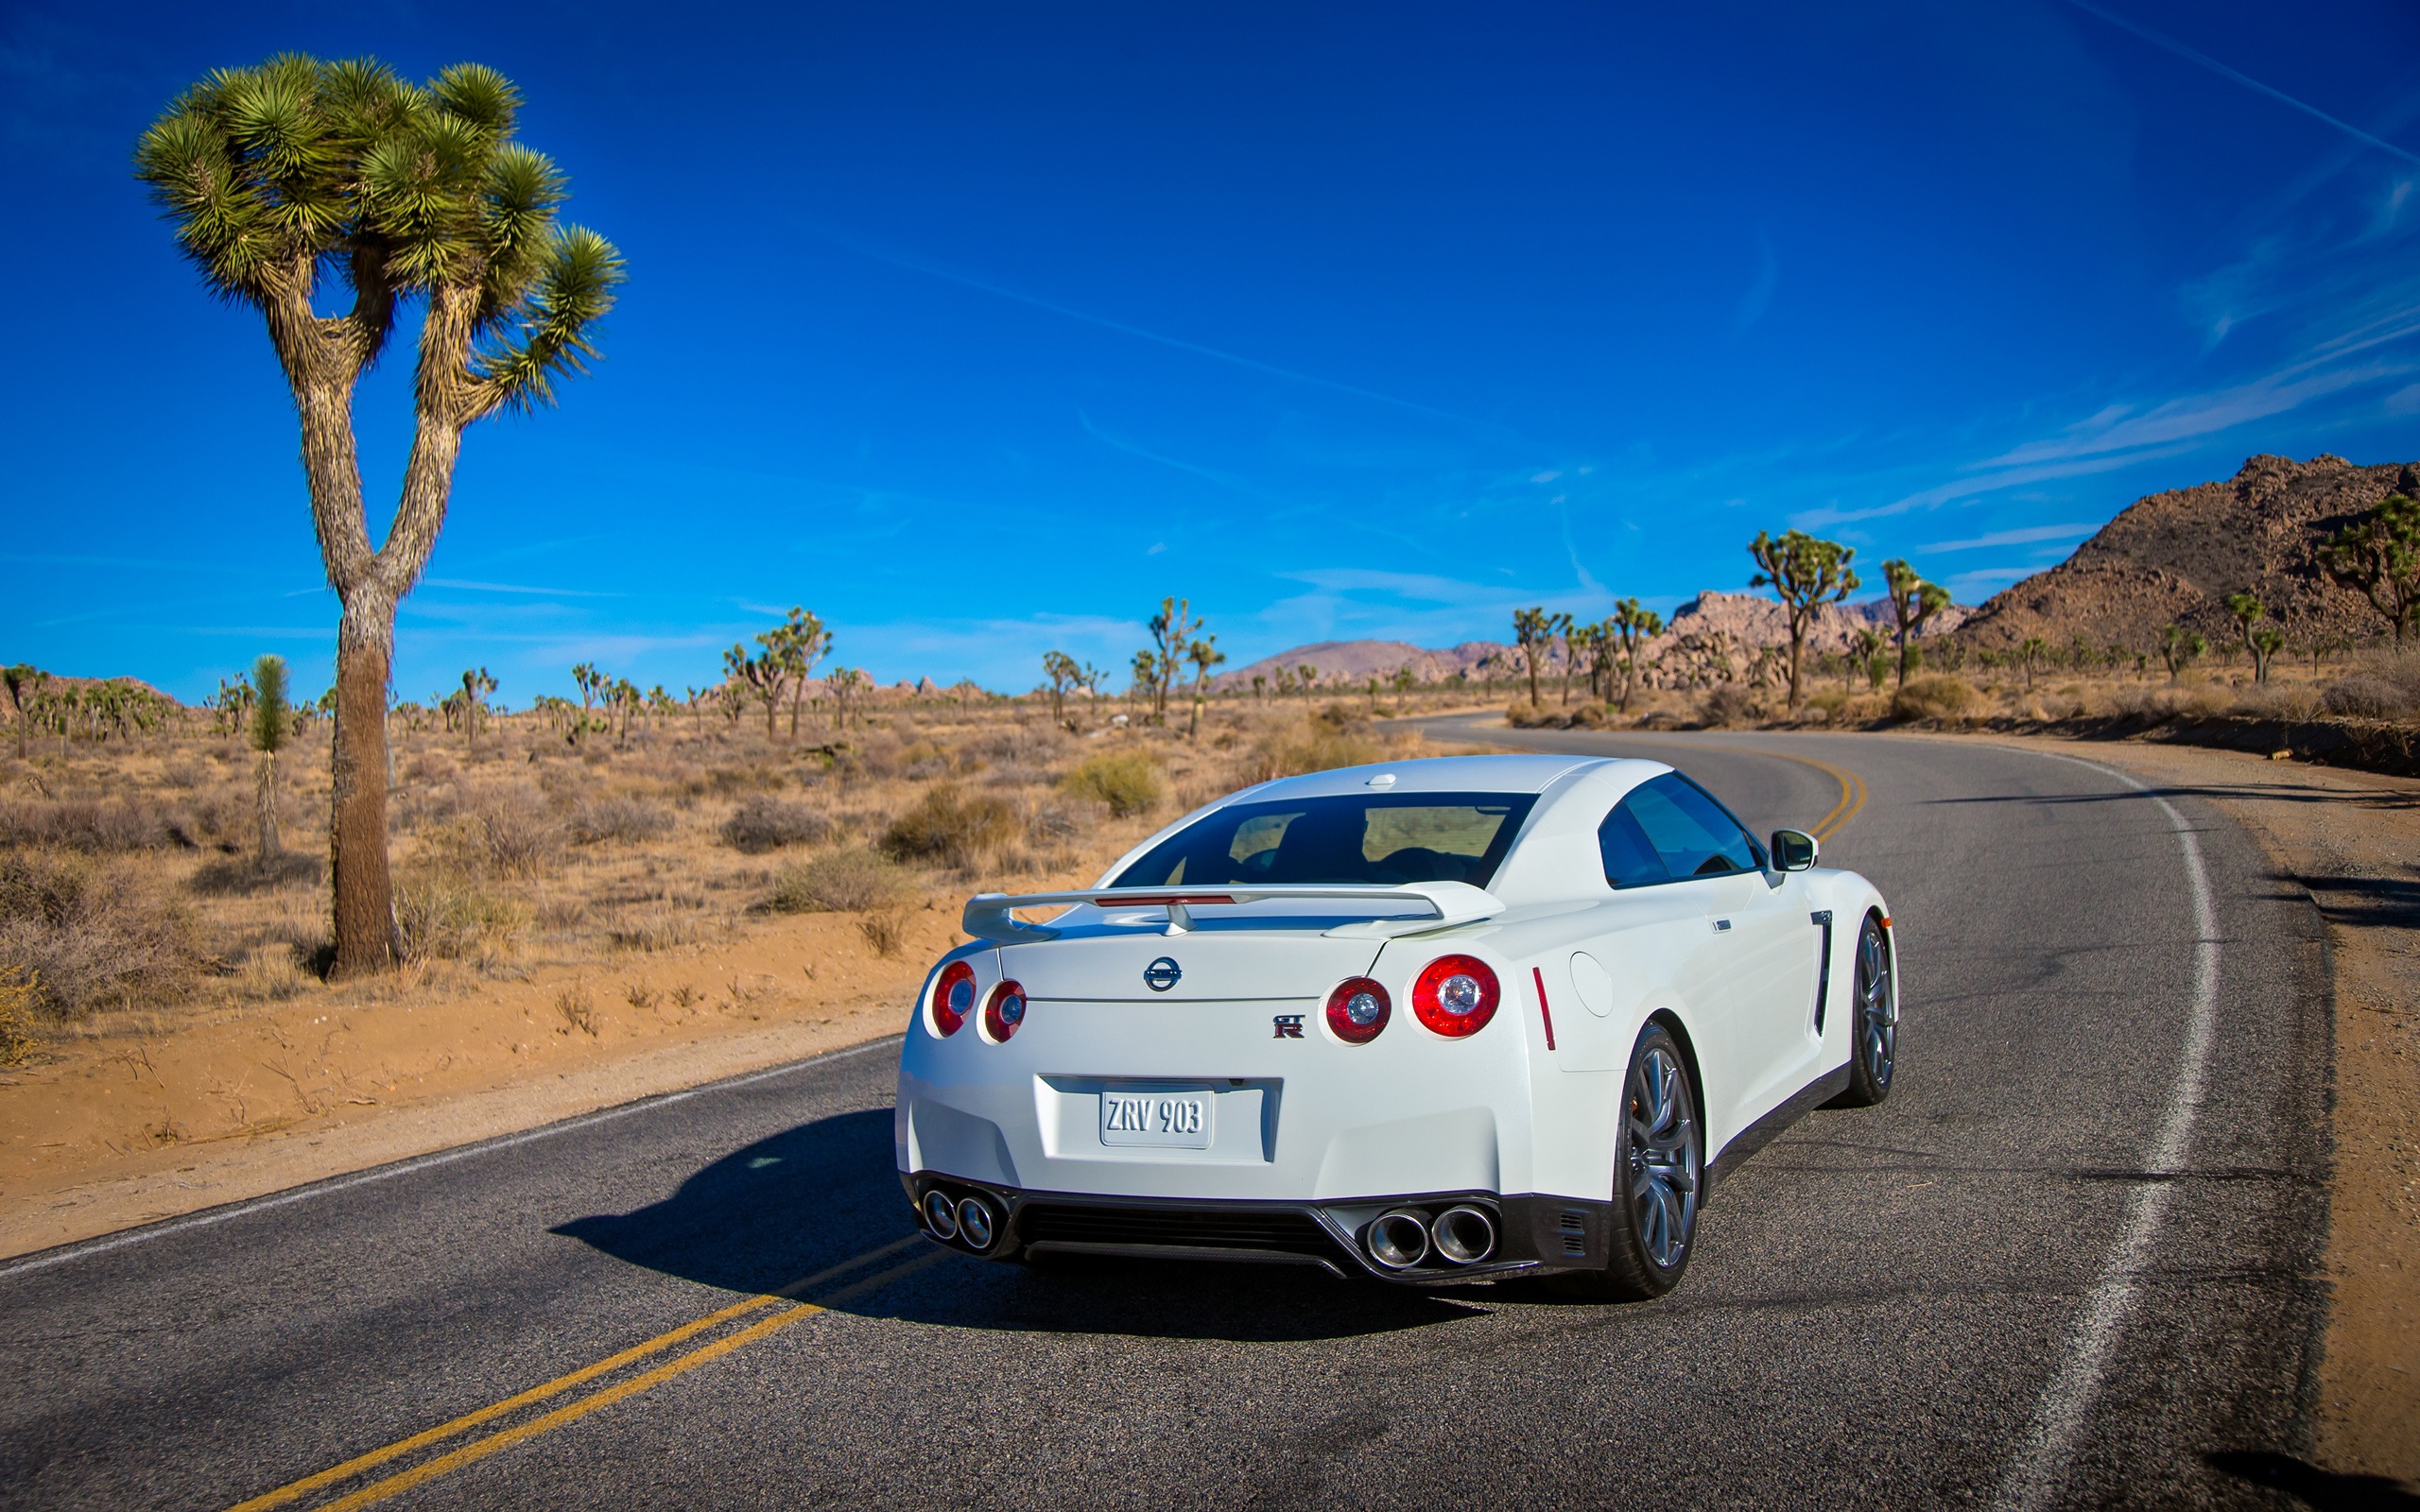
(238, 875)
(949, 828)
(1334, 737)
(495, 835)
(20, 989)
(1129, 782)
(447, 913)
(90, 933)
(1935, 698)
(763, 822)
(843, 882)
(618, 818)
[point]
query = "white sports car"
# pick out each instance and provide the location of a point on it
(1434, 1021)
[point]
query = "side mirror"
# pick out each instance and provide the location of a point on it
(1794, 850)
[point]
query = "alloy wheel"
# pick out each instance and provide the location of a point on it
(1662, 1156)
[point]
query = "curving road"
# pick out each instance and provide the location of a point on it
(2074, 1261)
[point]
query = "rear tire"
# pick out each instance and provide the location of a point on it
(1659, 1166)
(1873, 1027)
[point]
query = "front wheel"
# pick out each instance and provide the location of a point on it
(1875, 1050)
(1658, 1172)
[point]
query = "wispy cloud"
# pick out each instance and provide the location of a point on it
(2016, 537)
(2170, 44)
(468, 585)
(1760, 297)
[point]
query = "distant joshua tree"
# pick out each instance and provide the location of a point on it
(281, 176)
(594, 685)
(1634, 627)
(1063, 674)
(2378, 556)
(1172, 630)
(1912, 602)
(23, 681)
(1204, 652)
(2180, 648)
(2263, 641)
(1306, 677)
(272, 725)
(1805, 574)
(1532, 628)
(477, 685)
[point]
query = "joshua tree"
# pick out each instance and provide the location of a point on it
(1634, 627)
(1531, 629)
(1062, 672)
(24, 681)
(1805, 574)
(1306, 677)
(2378, 556)
(763, 677)
(477, 685)
(1090, 677)
(1172, 630)
(594, 685)
(279, 177)
(792, 650)
(1204, 652)
(1912, 602)
(1260, 687)
(272, 725)
(2179, 647)
(2033, 652)
(1404, 682)
(2262, 641)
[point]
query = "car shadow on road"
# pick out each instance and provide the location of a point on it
(824, 1193)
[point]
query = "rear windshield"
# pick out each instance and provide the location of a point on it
(1383, 839)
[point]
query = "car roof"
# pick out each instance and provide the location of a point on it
(1439, 774)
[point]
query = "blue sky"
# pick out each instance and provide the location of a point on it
(976, 329)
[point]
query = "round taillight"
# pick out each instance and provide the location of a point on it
(953, 998)
(1006, 1010)
(1456, 995)
(1357, 1011)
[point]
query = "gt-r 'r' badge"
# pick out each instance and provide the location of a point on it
(1163, 974)
(1290, 1025)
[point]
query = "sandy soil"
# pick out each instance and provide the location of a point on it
(2352, 840)
(133, 1123)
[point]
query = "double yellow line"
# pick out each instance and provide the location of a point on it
(1852, 791)
(788, 1311)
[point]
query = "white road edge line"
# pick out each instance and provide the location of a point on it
(385, 1173)
(2041, 1465)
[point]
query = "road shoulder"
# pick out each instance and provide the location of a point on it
(2349, 840)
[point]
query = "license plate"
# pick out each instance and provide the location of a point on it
(1173, 1120)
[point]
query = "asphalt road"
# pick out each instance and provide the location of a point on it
(2074, 1261)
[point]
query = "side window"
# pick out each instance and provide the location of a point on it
(1689, 831)
(1629, 861)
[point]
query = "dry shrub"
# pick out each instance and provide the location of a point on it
(656, 926)
(843, 882)
(885, 929)
(447, 914)
(20, 989)
(92, 934)
(1935, 698)
(496, 835)
(1129, 782)
(1320, 743)
(2364, 696)
(764, 823)
(1067, 820)
(1725, 705)
(619, 819)
(952, 829)
(84, 824)
(232, 876)
(578, 1009)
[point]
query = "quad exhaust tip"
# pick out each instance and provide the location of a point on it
(1465, 1234)
(940, 1215)
(975, 1227)
(1398, 1240)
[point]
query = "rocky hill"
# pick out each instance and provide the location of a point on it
(2175, 556)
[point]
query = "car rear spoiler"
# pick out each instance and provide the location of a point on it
(993, 915)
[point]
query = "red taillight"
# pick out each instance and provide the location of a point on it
(1357, 1009)
(1456, 995)
(1005, 1012)
(953, 998)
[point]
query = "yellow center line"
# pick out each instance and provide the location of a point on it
(564, 1383)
